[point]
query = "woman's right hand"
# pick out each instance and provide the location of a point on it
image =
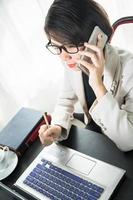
(49, 135)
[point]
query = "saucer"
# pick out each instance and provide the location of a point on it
(12, 163)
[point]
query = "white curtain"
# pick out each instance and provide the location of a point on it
(29, 75)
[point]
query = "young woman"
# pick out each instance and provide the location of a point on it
(106, 94)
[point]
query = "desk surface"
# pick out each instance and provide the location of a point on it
(92, 144)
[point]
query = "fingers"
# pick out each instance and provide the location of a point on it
(95, 50)
(48, 135)
(42, 128)
(44, 135)
(86, 64)
(53, 131)
(95, 54)
(90, 55)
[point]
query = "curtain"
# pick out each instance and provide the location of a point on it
(29, 75)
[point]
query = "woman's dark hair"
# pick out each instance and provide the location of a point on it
(72, 21)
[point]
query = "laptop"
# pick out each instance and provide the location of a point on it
(59, 172)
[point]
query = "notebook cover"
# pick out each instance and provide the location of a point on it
(19, 128)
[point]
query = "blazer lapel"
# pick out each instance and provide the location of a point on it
(79, 89)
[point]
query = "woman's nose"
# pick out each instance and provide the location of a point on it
(65, 56)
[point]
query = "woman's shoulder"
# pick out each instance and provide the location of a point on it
(124, 56)
(126, 61)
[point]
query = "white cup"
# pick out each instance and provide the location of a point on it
(3, 157)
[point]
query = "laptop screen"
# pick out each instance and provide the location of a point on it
(9, 194)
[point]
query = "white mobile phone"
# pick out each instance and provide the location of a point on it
(93, 40)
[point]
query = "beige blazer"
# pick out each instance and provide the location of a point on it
(114, 112)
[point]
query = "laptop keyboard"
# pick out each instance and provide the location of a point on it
(59, 184)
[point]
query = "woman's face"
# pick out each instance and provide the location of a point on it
(68, 58)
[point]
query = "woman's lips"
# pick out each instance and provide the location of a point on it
(71, 65)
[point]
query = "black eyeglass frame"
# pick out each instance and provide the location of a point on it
(63, 47)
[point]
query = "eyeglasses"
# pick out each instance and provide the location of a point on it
(57, 50)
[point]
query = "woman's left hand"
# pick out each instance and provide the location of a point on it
(95, 68)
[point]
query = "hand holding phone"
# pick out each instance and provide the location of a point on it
(93, 40)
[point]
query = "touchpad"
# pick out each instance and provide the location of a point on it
(81, 164)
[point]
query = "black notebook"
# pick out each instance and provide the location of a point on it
(19, 129)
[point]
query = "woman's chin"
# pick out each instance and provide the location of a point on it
(76, 68)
